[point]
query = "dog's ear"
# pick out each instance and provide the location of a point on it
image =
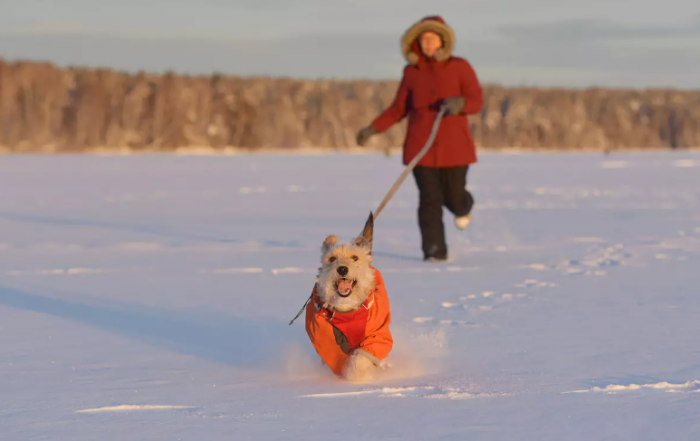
(361, 242)
(365, 238)
(328, 243)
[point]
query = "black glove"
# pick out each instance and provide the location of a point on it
(453, 104)
(364, 134)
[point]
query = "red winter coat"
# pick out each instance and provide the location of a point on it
(425, 83)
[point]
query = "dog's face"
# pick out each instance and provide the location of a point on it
(346, 278)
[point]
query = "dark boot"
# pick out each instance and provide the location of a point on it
(430, 202)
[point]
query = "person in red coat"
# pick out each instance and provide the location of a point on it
(434, 77)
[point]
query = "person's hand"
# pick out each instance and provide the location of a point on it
(453, 105)
(364, 134)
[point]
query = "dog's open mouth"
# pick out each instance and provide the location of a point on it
(345, 286)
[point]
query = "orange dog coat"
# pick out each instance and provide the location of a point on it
(336, 335)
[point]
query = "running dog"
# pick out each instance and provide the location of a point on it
(348, 315)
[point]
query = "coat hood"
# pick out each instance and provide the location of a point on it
(410, 48)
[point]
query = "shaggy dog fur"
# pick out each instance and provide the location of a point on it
(357, 258)
(347, 283)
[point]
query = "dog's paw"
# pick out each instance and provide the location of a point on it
(360, 368)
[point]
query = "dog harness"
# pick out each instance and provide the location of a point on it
(348, 327)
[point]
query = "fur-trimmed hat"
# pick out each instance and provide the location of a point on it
(410, 48)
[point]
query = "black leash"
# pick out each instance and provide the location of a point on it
(302, 309)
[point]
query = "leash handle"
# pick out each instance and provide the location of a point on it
(409, 168)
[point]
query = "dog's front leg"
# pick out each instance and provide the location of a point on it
(361, 366)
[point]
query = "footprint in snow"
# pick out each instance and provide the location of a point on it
(532, 283)
(463, 323)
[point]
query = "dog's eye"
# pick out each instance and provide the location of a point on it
(331, 259)
(355, 258)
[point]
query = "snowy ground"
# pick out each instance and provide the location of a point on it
(148, 298)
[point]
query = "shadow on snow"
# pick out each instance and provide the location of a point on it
(243, 342)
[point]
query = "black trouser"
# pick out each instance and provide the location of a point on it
(438, 187)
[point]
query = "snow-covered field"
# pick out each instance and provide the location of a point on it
(148, 298)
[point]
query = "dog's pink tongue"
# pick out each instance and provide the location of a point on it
(345, 286)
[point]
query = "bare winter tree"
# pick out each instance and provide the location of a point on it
(47, 109)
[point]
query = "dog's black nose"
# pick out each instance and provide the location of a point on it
(342, 270)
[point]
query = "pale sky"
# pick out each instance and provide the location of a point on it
(570, 43)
